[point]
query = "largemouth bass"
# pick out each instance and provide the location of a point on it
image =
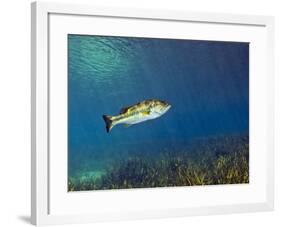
(140, 112)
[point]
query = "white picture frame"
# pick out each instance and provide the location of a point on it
(43, 191)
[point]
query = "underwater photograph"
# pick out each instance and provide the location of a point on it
(155, 112)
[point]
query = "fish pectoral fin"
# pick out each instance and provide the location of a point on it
(145, 113)
(127, 125)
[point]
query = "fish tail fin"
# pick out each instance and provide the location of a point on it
(108, 122)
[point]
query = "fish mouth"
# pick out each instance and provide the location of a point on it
(168, 107)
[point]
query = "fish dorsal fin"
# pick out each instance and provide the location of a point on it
(125, 109)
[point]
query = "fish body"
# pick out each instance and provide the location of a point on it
(140, 112)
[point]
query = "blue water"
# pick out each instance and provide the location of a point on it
(206, 82)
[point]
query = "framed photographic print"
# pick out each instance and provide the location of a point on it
(149, 114)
